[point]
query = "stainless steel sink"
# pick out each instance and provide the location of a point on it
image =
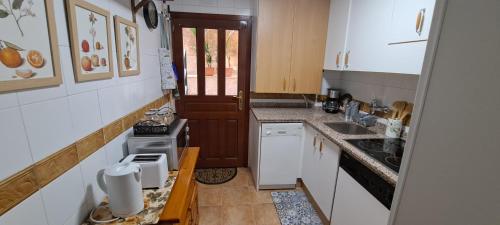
(349, 128)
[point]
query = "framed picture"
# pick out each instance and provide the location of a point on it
(29, 52)
(90, 38)
(127, 47)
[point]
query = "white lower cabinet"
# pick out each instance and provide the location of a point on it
(354, 205)
(320, 163)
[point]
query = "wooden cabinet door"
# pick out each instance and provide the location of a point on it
(337, 34)
(369, 26)
(411, 20)
(194, 207)
(310, 25)
(274, 45)
(328, 166)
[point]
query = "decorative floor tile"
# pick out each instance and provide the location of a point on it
(295, 209)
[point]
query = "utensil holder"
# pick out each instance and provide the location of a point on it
(393, 128)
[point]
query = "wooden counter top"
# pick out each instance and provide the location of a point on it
(180, 198)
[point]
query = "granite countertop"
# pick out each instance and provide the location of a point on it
(316, 118)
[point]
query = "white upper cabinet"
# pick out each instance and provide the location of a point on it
(388, 36)
(369, 24)
(337, 33)
(411, 20)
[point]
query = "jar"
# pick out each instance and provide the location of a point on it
(151, 115)
(162, 117)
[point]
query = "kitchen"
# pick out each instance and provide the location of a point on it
(410, 80)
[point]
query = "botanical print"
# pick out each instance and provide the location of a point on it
(129, 48)
(25, 47)
(92, 38)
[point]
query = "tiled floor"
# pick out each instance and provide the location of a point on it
(236, 202)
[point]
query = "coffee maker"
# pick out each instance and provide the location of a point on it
(332, 103)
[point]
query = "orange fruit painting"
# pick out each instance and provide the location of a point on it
(35, 59)
(10, 57)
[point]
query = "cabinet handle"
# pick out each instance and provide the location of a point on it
(419, 24)
(321, 146)
(346, 59)
(337, 60)
(314, 142)
(294, 84)
(284, 84)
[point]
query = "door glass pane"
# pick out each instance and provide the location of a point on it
(210, 62)
(190, 63)
(231, 62)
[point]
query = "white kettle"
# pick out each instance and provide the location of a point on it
(122, 183)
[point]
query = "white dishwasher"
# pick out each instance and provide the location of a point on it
(280, 155)
(361, 197)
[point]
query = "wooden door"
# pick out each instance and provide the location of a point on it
(274, 46)
(212, 57)
(310, 27)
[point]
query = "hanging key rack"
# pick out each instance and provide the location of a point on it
(135, 7)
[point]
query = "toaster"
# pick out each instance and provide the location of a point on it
(154, 168)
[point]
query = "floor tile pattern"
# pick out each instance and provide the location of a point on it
(236, 202)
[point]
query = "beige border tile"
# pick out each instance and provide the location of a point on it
(16, 188)
(90, 144)
(112, 130)
(52, 167)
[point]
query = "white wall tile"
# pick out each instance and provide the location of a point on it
(63, 196)
(386, 87)
(15, 149)
(111, 103)
(85, 113)
(116, 149)
(226, 3)
(42, 94)
(28, 212)
(90, 166)
(61, 25)
(243, 4)
(48, 125)
(211, 3)
(78, 217)
(8, 100)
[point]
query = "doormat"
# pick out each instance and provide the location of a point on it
(295, 209)
(215, 175)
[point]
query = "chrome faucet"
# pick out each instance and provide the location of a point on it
(306, 101)
(374, 107)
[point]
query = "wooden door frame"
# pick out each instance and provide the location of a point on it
(180, 19)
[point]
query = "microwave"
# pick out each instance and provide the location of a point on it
(173, 144)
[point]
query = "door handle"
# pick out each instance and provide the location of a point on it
(240, 98)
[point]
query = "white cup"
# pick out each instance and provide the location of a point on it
(393, 128)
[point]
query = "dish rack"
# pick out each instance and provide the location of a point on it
(166, 121)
